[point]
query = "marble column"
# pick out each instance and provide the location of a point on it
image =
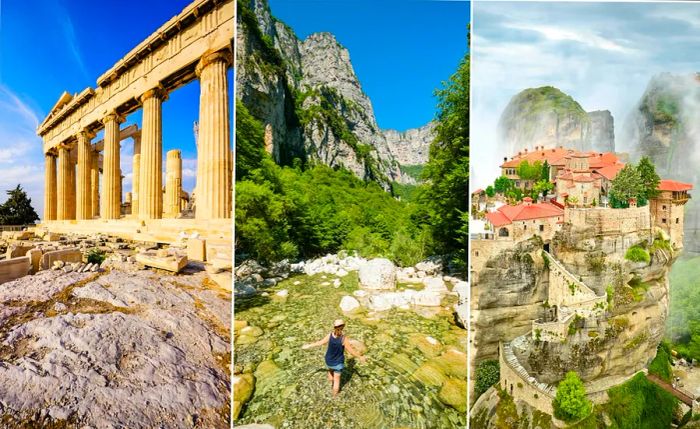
(83, 185)
(110, 207)
(71, 187)
(63, 186)
(214, 186)
(50, 187)
(173, 183)
(95, 182)
(151, 168)
(135, 173)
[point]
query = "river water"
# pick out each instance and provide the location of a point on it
(411, 358)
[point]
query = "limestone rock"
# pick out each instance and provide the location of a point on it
(378, 273)
(454, 393)
(348, 304)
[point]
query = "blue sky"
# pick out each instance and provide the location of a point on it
(51, 46)
(400, 50)
(602, 54)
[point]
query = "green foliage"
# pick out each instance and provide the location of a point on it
(640, 404)
(447, 172)
(95, 256)
(530, 172)
(637, 254)
(542, 188)
(661, 364)
(683, 327)
(487, 374)
(415, 171)
(249, 141)
(545, 171)
(266, 48)
(17, 210)
(490, 191)
(503, 184)
(625, 186)
(571, 403)
(650, 180)
(667, 109)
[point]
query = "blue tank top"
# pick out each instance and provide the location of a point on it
(335, 354)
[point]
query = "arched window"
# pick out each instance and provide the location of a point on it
(503, 232)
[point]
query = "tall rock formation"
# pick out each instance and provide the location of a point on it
(548, 117)
(411, 147)
(308, 97)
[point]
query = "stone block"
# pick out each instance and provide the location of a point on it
(170, 262)
(197, 249)
(52, 236)
(35, 259)
(65, 255)
(11, 269)
(16, 250)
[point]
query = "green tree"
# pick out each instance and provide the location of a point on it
(527, 171)
(249, 142)
(490, 191)
(625, 186)
(650, 180)
(487, 374)
(502, 185)
(447, 171)
(17, 210)
(571, 403)
(542, 187)
(545, 170)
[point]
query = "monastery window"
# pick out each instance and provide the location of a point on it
(476, 253)
(541, 227)
(517, 183)
(663, 207)
(503, 232)
(663, 220)
(524, 227)
(677, 220)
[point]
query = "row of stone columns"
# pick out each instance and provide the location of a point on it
(214, 160)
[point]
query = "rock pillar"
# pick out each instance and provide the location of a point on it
(95, 182)
(214, 186)
(63, 186)
(173, 183)
(135, 172)
(151, 168)
(111, 198)
(50, 187)
(84, 187)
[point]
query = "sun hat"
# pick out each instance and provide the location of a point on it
(338, 322)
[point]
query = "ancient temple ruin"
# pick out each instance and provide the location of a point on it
(83, 184)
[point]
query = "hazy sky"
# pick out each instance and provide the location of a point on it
(49, 46)
(602, 54)
(401, 50)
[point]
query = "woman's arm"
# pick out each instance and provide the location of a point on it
(352, 351)
(320, 342)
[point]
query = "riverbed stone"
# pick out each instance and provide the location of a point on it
(358, 346)
(453, 362)
(378, 273)
(253, 331)
(242, 391)
(429, 346)
(427, 298)
(349, 304)
(434, 284)
(430, 374)
(454, 393)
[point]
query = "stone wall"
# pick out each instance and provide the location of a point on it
(515, 380)
(481, 251)
(11, 269)
(606, 221)
(564, 288)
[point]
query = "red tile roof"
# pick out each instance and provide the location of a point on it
(553, 156)
(672, 185)
(506, 215)
(610, 171)
(478, 191)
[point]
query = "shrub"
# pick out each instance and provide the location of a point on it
(571, 403)
(661, 364)
(487, 374)
(640, 404)
(96, 256)
(637, 254)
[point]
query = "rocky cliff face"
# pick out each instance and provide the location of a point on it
(309, 98)
(411, 147)
(548, 117)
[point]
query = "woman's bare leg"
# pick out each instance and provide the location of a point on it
(330, 377)
(336, 383)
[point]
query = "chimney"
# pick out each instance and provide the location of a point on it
(527, 201)
(505, 159)
(525, 150)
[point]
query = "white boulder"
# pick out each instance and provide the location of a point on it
(427, 298)
(378, 274)
(434, 284)
(348, 304)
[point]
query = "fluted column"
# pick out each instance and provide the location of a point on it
(50, 187)
(173, 183)
(214, 186)
(71, 185)
(135, 179)
(83, 185)
(95, 182)
(151, 168)
(63, 186)
(111, 198)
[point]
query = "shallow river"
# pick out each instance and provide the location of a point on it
(399, 385)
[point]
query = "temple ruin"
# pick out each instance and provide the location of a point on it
(83, 184)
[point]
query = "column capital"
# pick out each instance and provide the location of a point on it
(208, 58)
(64, 145)
(85, 133)
(157, 91)
(113, 116)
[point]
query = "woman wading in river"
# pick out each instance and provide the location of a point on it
(335, 354)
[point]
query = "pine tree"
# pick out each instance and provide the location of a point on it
(17, 210)
(571, 403)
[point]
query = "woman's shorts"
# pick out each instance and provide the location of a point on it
(337, 368)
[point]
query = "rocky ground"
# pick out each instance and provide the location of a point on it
(124, 346)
